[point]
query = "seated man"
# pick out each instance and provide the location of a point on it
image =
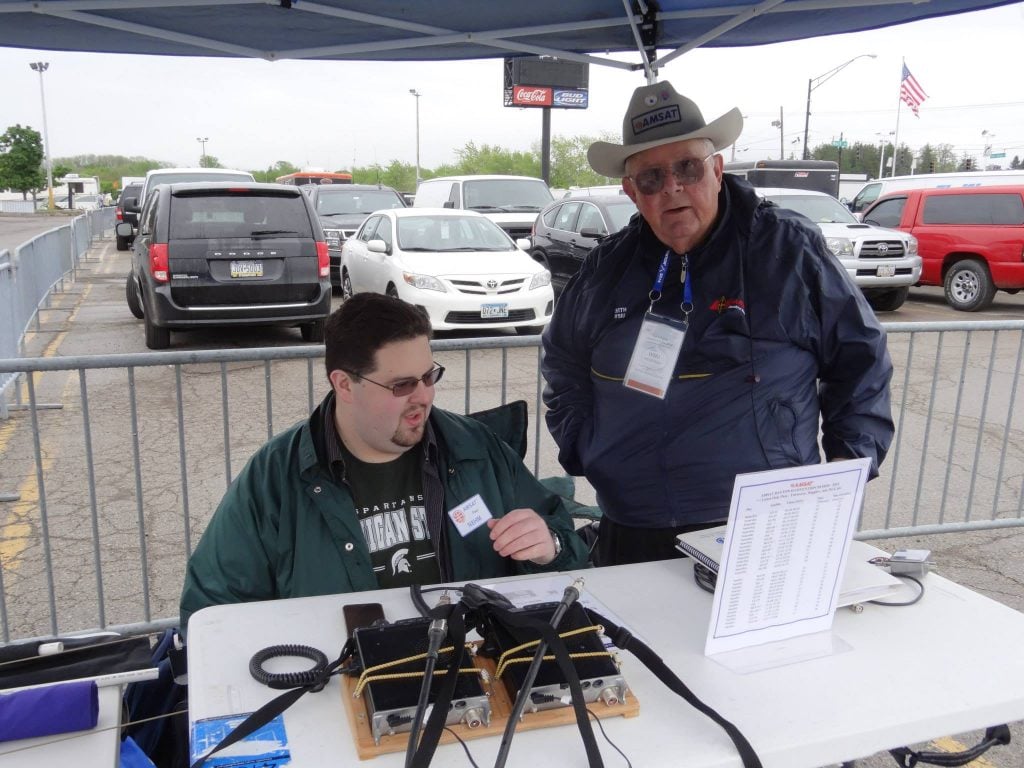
(377, 489)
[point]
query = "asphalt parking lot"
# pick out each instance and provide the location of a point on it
(91, 318)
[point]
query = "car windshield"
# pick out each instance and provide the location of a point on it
(506, 195)
(620, 213)
(346, 202)
(198, 215)
(442, 234)
(820, 210)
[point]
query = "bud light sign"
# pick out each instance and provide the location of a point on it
(531, 96)
(570, 99)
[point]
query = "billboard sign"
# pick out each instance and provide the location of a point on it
(571, 99)
(531, 96)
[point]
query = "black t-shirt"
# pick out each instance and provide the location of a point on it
(389, 504)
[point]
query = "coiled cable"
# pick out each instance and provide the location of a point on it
(280, 680)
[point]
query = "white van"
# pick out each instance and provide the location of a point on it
(875, 189)
(511, 202)
(177, 175)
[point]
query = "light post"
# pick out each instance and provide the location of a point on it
(778, 124)
(814, 82)
(40, 67)
(202, 141)
(881, 152)
(417, 94)
(987, 137)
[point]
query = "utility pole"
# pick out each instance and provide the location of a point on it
(40, 67)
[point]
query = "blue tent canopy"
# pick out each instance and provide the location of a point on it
(443, 29)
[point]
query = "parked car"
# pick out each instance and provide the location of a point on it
(883, 263)
(458, 265)
(566, 231)
(124, 242)
(876, 188)
(511, 202)
(228, 253)
(599, 191)
(971, 239)
(178, 176)
(342, 208)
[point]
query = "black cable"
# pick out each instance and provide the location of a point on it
(613, 744)
(916, 597)
(469, 756)
(436, 634)
(281, 680)
(569, 596)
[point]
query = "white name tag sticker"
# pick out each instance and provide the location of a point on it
(654, 357)
(470, 515)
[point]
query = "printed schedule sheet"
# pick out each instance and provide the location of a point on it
(785, 553)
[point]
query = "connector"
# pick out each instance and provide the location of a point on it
(910, 562)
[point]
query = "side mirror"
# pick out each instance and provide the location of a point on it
(377, 246)
(524, 244)
(124, 229)
(593, 234)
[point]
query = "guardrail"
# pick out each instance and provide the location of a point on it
(117, 487)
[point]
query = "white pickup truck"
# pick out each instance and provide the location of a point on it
(884, 263)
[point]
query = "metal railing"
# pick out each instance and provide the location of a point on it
(117, 487)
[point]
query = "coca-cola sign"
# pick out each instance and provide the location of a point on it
(531, 96)
(571, 99)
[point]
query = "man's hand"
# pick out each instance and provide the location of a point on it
(522, 534)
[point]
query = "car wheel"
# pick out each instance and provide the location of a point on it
(156, 337)
(529, 330)
(122, 243)
(313, 332)
(346, 286)
(131, 294)
(392, 292)
(968, 286)
(889, 301)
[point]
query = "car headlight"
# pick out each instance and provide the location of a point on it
(541, 279)
(840, 246)
(333, 237)
(424, 282)
(912, 246)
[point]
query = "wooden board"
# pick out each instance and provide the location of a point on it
(501, 706)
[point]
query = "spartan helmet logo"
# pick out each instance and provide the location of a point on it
(399, 562)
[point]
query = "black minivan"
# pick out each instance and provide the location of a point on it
(228, 253)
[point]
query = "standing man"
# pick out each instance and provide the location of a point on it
(710, 337)
(377, 488)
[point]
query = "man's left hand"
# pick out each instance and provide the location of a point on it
(522, 534)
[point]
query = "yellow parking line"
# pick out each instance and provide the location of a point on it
(946, 744)
(16, 533)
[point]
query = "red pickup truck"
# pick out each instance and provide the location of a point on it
(971, 240)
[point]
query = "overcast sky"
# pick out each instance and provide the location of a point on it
(333, 114)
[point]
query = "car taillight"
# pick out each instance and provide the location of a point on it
(323, 260)
(118, 215)
(158, 262)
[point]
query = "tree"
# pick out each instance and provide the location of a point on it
(1016, 163)
(21, 157)
(209, 161)
(569, 166)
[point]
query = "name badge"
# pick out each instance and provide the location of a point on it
(655, 355)
(470, 515)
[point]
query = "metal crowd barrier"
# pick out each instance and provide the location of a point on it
(117, 487)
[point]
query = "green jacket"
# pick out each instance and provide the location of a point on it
(285, 528)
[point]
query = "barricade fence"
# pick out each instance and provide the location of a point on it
(116, 488)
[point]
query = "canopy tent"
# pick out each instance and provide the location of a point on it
(471, 29)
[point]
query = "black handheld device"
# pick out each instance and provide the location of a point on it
(359, 615)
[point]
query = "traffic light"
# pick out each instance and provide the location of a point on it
(969, 164)
(931, 166)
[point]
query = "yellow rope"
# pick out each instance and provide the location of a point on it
(365, 679)
(523, 659)
(534, 643)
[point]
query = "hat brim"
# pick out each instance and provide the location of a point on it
(610, 159)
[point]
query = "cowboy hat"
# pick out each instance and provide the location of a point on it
(658, 115)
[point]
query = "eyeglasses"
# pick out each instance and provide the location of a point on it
(404, 387)
(690, 170)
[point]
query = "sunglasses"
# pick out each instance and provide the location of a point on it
(650, 181)
(404, 387)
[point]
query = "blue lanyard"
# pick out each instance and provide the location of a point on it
(659, 282)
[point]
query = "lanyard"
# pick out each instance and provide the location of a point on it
(659, 282)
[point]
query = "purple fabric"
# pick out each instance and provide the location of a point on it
(46, 711)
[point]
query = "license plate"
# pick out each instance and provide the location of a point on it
(885, 270)
(247, 269)
(494, 310)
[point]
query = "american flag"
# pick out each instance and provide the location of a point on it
(911, 92)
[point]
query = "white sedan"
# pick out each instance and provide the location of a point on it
(459, 266)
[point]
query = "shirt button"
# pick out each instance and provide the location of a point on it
(316, 489)
(349, 546)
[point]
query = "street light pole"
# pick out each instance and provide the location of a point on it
(417, 94)
(814, 82)
(40, 67)
(778, 124)
(202, 141)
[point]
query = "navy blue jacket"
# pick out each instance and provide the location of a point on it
(779, 340)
